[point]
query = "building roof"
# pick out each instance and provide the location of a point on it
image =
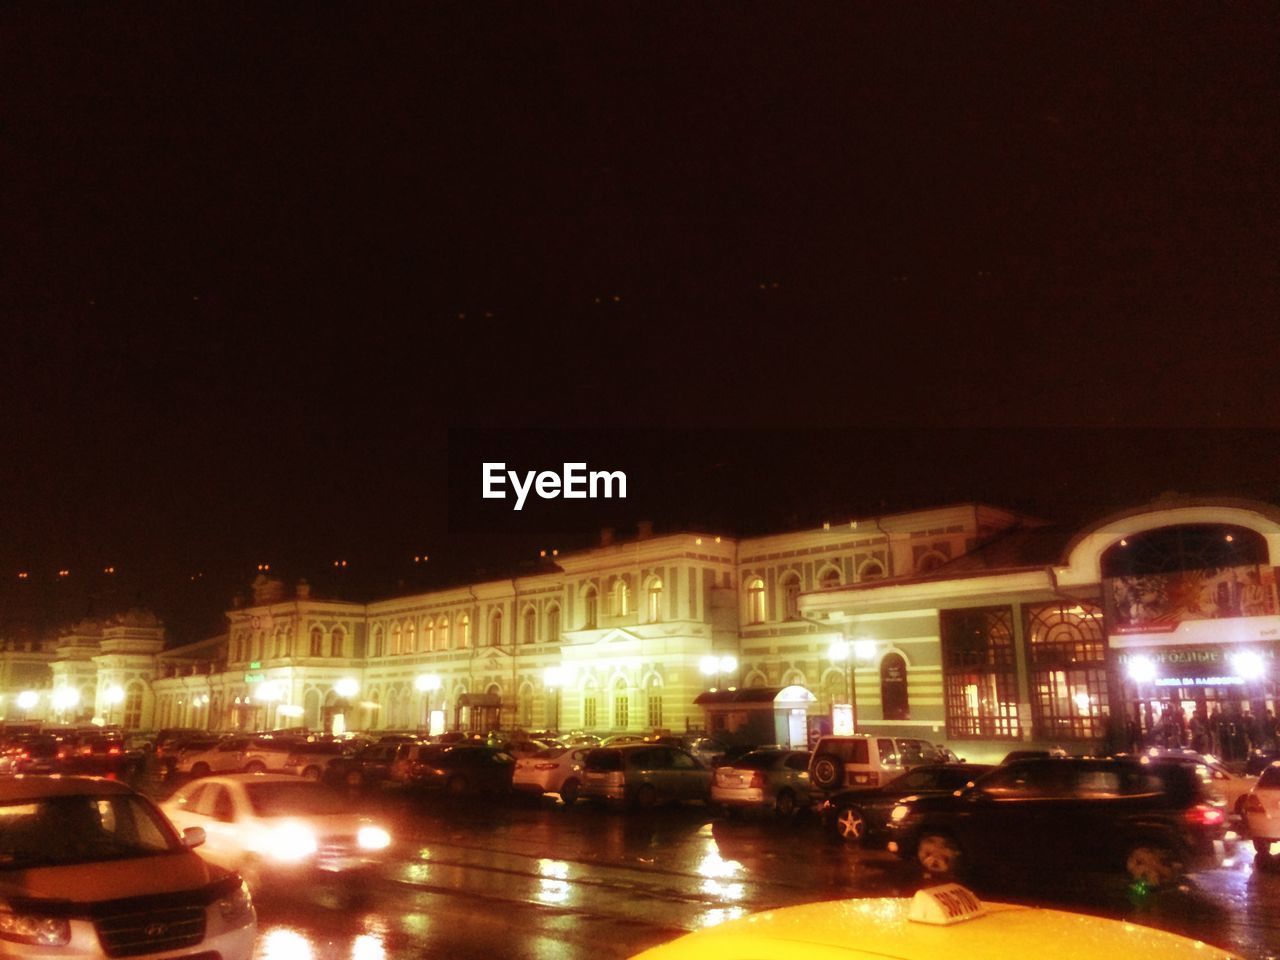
(1020, 548)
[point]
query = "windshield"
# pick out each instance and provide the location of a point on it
(284, 799)
(58, 831)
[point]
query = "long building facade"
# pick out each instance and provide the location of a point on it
(968, 624)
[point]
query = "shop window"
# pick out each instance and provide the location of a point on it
(1066, 661)
(980, 673)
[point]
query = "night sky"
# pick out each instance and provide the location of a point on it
(259, 259)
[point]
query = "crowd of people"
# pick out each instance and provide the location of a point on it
(1229, 735)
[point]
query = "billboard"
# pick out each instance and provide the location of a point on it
(1161, 602)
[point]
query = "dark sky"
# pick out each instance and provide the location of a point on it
(258, 259)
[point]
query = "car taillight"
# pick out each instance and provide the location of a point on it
(113, 751)
(1205, 815)
(870, 779)
(1253, 804)
(62, 754)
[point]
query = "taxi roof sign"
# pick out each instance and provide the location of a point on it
(944, 905)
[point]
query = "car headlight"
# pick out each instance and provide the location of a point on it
(34, 929)
(237, 907)
(899, 812)
(291, 842)
(373, 838)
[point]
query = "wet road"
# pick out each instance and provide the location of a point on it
(541, 881)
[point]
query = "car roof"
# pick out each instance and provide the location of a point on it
(880, 928)
(34, 788)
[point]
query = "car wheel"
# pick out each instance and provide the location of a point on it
(851, 825)
(200, 770)
(939, 855)
(785, 805)
(1153, 864)
(311, 773)
(646, 797)
(257, 766)
(569, 792)
(827, 771)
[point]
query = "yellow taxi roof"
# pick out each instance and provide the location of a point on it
(879, 928)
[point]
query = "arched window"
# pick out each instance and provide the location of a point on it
(410, 637)
(930, 561)
(893, 688)
(337, 643)
(464, 631)
(790, 596)
(653, 600)
(871, 570)
(528, 625)
(396, 639)
(133, 705)
(755, 600)
(317, 642)
(377, 641)
(495, 629)
(620, 598)
(442, 633)
(589, 708)
(621, 705)
(553, 623)
(280, 643)
(653, 703)
(590, 604)
(428, 634)
(830, 577)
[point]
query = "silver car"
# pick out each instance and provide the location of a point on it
(774, 780)
(643, 775)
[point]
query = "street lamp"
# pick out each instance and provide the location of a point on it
(712, 666)
(839, 652)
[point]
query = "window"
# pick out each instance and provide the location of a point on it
(653, 600)
(979, 673)
(428, 635)
(589, 710)
(336, 643)
(620, 598)
(894, 701)
(589, 608)
(871, 570)
(442, 633)
(495, 629)
(1066, 661)
(621, 711)
(410, 637)
(755, 600)
(829, 578)
(317, 642)
(377, 641)
(791, 596)
(655, 707)
(464, 631)
(553, 623)
(528, 625)
(396, 640)
(133, 706)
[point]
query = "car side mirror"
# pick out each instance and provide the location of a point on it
(193, 837)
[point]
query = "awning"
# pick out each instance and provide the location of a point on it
(759, 695)
(480, 700)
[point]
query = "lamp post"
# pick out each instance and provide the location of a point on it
(713, 666)
(840, 652)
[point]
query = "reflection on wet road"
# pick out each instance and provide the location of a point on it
(546, 882)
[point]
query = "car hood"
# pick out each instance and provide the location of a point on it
(112, 879)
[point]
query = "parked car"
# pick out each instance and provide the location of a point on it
(1262, 812)
(1232, 787)
(40, 753)
(555, 770)
(942, 921)
(98, 755)
(1154, 820)
(369, 766)
(643, 775)
(853, 760)
(78, 856)
(1055, 753)
(706, 750)
(458, 769)
(278, 830)
(858, 816)
(774, 780)
(311, 760)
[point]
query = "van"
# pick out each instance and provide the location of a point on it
(854, 760)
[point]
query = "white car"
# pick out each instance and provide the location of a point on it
(1232, 788)
(278, 829)
(90, 869)
(552, 770)
(1262, 811)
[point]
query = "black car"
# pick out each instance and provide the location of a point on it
(1152, 820)
(463, 769)
(368, 767)
(858, 816)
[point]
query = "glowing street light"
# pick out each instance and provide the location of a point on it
(840, 652)
(1141, 670)
(553, 678)
(346, 688)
